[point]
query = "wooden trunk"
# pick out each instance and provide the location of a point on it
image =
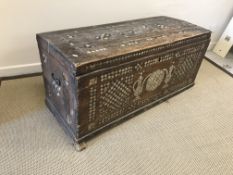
(98, 76)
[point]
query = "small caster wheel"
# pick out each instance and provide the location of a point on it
(80, 146)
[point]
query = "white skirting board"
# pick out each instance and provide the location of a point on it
(14, 70)
(225, 64)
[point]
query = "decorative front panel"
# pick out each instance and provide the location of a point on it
(113, 93)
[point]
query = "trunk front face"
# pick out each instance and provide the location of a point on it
(111, 94)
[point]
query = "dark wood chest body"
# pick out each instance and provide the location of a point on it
(98, 76)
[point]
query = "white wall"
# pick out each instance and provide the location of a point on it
(21, 19)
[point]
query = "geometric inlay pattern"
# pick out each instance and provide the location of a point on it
(114, 98)
(184, 69)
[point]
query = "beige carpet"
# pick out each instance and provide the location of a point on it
(192, 133)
